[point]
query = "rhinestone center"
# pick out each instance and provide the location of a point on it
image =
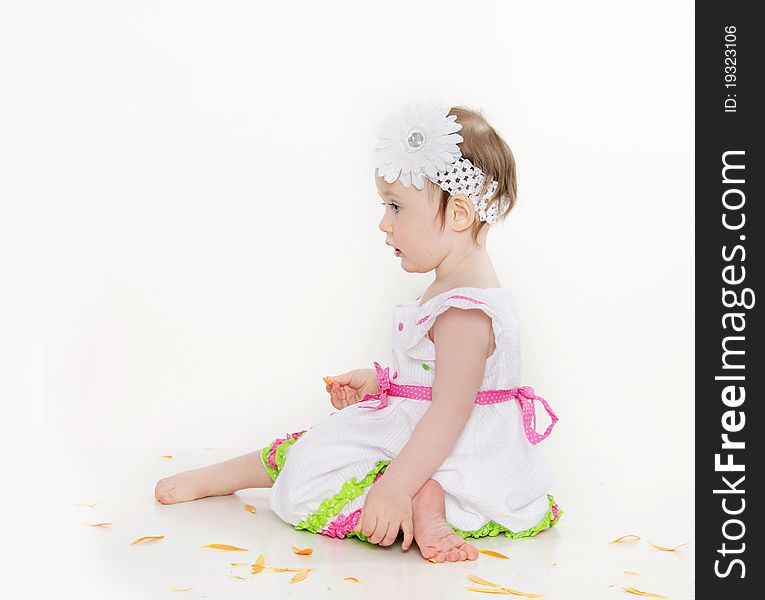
(415, 139)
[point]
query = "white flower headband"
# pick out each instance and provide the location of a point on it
(422, 142)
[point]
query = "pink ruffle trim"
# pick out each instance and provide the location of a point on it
(555, 511)
(342, 525)
(278, 442)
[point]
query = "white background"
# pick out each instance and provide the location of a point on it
(189, 228)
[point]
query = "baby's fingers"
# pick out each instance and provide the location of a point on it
(334, 397)
(392, 534)
(408, 530)
(380, 531)
(367, 524)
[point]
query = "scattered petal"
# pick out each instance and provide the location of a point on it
(288, 569)
(492, 553)
(667, 549)
(86, 505)
(617, 540)
(517, 593)
(486, 590)
(181, 589)
(225, 547)
(237, 577)
(166, 456)
(475, 579)
(433, 560)
(299, 577)
(97, 524)
(303, 552)
(257, 566)
(351, 579)
(631, 573)
(638, 592)
(147, 539)
(249, 508)
(240, 564)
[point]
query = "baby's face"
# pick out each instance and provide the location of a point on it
(410, 223)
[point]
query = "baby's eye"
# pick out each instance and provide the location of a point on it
(395, 206)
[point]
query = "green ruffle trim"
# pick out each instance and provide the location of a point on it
(279, 457)
(330, 507)
(493, 529)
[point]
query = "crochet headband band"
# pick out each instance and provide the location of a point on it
(422, 142)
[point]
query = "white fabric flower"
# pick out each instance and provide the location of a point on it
(417, 142)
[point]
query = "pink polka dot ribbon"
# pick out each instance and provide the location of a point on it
(524, 395)
(383, 382)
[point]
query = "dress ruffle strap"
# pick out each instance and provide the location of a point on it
(524, 394)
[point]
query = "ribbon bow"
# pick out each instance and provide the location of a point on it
(383, 381)
(526, 396)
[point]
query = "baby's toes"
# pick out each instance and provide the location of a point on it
(472, 551)
(165, 491)
(463, 554)
(453, 555)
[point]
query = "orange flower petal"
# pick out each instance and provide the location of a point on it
(492, 553)
(517, 593)
(257, 566)
(249, 508)
(486, 590)
(240, 564)
(433, 560)
(631, 573)
(303, 552)
(617, 540)
(147, 539)
(351, 579)
(502, 590)
(475, 579)
(638, 592)
(225, 547)
(181, 589)
(166, 456)
(667, 549)
(299, 576)
(237, 577)
(97, 524)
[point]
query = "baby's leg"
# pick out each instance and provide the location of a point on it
(220, 479)
(434, 536)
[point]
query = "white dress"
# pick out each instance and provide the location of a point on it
(494, 480)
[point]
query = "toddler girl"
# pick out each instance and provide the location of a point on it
(441, 445)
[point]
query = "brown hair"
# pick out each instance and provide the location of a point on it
(483, 147)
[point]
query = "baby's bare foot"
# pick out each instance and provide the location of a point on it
(189, 485)
(434, 536)
(220, 479)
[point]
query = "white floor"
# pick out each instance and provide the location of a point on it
(604, 497)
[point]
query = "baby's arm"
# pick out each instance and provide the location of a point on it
(462, 338)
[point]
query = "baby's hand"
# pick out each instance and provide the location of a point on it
(351, 387)
(386, 510)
